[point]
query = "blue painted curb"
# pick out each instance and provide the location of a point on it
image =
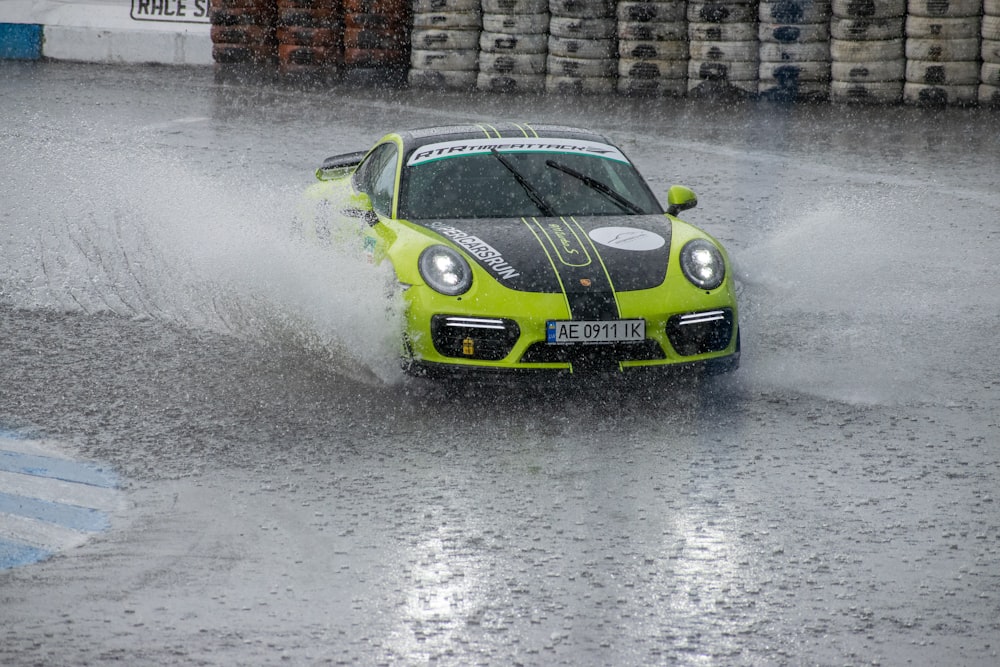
(15, 554)
(70, 516)
(74, 500)
(20, 41)
(61, 469)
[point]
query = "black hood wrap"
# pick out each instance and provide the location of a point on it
(587, 258)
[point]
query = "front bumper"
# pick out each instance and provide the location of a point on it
(707, 339)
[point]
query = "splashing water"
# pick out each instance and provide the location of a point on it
(843, 299)
(98, 224)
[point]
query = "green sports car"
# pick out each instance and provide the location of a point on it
(532, 248)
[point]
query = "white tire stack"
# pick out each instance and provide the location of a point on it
(942, 51)
(794, 49)
(867, 51)
(652, 47)
(724, 48)
(583, 50)
(445, 44)
(989, 75)
(514, 45)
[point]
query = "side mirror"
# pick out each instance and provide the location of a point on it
(339, 165)
(680, 198)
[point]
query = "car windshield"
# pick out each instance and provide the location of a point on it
(510, 183)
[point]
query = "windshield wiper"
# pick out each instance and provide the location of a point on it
(596, 185)
(532, 193)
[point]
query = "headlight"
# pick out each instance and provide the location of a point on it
(702, 264)
(445, 270)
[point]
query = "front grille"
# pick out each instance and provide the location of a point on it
(486, 339)
(593, 354)
(700, 333)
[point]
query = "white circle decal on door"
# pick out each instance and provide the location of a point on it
(627, 238)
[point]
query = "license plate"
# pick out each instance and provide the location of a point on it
(599, 331)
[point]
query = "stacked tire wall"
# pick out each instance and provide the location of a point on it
(989, 77)
(514, 45)
(932, 52)
(310, 36)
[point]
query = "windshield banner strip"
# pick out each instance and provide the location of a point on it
(448, 149)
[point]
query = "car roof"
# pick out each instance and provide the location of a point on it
(421, 137)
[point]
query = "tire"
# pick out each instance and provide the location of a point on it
(710, 70)
(582, 9)
(527, 24)
(436, 40)
(497, 42)
(943, 50)
(802, 71)
(435, 6)
(582, 48)
(867, 51)
(448, 21)
(867, 93)
(648, 70)
(651, 12)
(295, 4)
(943, 8)
(722, 32)
(989, 96)
(868, 72)
(991, 7)
(249, 54)
(511, 83)
(793, 90)
(630, 87)
(242, 34)
(452, 60)
(308, 18)
(990, 52)
(926, 28)
(856, 30)
(721, 12)
(943, 73)
(677, 50)
(378, 40)
(513, 63)
(990, 28)
(515, 7)
(989, 73)
(390, 58)
(392, 7)
(652, 31)
(309, 36)
(921, 94)
(240, 16)
(868, 9)
(441, 79)
(374, 22)
(581, 67)
(780, 33)
(236, 4)
(722, 88)
(795, 12)
(576, 85)
(725, 51)
(795, 53)
(575, 28)
(317, 56)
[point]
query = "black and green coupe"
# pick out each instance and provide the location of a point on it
(533, 248)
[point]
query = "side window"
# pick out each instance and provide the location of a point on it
(376, 177)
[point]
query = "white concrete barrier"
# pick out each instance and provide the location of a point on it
(172, 32)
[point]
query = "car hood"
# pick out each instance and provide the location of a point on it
(566, 254)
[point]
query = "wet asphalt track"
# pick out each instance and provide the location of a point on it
(292, 501)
